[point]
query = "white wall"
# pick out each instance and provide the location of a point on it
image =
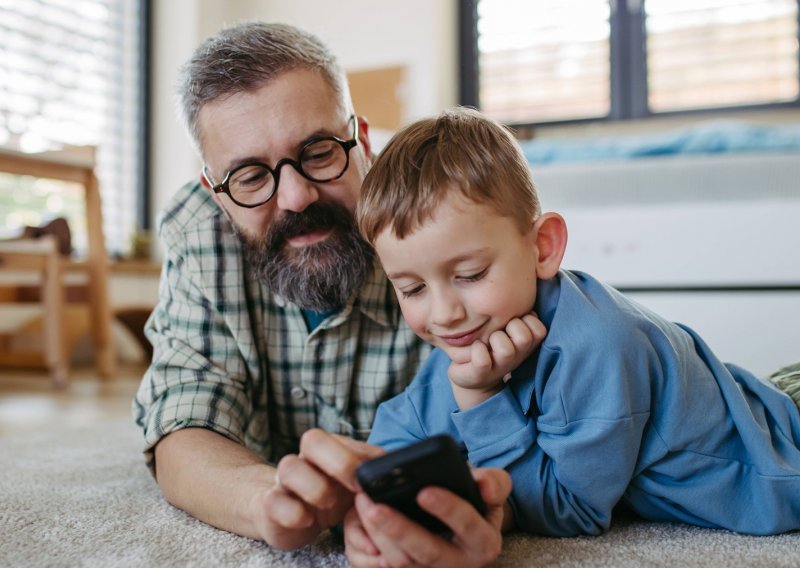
(418, 34)
(174, 36)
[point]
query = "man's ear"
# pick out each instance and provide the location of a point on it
(363, 136)
(550, 231)
(204, 181)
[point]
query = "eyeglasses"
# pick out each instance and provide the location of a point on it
(320, 160)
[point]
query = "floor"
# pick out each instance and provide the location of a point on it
(29, 403)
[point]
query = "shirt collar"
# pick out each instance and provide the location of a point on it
(376, 300)
(523, 381)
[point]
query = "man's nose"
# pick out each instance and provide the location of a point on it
(294, 192)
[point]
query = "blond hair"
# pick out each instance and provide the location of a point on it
(459, 150)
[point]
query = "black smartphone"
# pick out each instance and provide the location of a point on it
(396, 477)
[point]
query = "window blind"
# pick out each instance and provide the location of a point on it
(559, 60)
(70, 74)
(717, 53)
(543, 60)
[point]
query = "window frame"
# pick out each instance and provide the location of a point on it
(628, 81)
(127, 150)
(144, 138)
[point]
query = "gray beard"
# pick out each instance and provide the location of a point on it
(319, 277)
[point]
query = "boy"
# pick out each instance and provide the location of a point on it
(617, 405)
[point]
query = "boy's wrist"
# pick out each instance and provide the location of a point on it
(467, 398)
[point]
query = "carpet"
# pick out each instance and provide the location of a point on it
(83, 497)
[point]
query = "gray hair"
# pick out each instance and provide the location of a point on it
(246, 57)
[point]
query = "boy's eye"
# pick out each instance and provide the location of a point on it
(474, 277)
(412, 291)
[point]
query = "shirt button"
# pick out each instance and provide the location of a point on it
(298, 392)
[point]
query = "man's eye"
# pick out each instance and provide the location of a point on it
(250, 177)
(321, 154)
(318, 156)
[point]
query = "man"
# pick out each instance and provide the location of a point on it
(277, 334)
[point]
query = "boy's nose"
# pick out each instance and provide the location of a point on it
(295, 192)
(447, 310)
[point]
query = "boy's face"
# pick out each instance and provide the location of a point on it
(463, 274)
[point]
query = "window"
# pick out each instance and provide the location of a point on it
(72, 74)
(535, 61)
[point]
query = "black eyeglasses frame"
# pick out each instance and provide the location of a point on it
(346, 145)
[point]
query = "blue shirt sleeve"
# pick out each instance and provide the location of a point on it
(569, 469)
(396, 424)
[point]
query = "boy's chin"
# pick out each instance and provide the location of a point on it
(456, 354)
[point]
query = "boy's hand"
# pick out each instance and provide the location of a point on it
(376, 535)
(480, 368)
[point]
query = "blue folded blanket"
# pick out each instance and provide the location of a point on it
(708, 138)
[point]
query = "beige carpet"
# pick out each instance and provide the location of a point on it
(82, 497)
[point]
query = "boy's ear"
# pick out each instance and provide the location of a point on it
(550, 232)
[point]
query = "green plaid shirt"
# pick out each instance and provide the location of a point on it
(234, 358)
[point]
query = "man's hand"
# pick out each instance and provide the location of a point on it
(476, 372)
(313, 490)
(376, 535)
(226, 485)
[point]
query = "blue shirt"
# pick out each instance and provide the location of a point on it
(618, 405)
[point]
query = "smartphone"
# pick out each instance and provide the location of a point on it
(396, 477)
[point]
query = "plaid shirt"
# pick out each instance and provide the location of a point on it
(232, 357)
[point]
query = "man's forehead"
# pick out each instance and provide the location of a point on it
(278, 117)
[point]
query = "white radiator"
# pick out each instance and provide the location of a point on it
(712, 241)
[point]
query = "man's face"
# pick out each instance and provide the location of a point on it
(303, 236)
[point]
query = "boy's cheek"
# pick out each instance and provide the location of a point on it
(417, 322)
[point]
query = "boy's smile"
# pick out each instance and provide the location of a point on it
(463, 274)
(463, 339)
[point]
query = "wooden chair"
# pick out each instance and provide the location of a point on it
(20, 255)
(40, 257)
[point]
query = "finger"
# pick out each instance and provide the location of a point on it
(473, 535)
(460, 355)
(364, 450)
(358, 559)
(331, 456)
(478, 366)
(519, 333)
(390, 531)
(495, 487)
(304, 480)
(355, 537)
(503, 349)
(494, 484)
(286, 510)
(358, 540)
(536, 326)
(480, 357)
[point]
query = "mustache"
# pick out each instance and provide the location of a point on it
(314, 217)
